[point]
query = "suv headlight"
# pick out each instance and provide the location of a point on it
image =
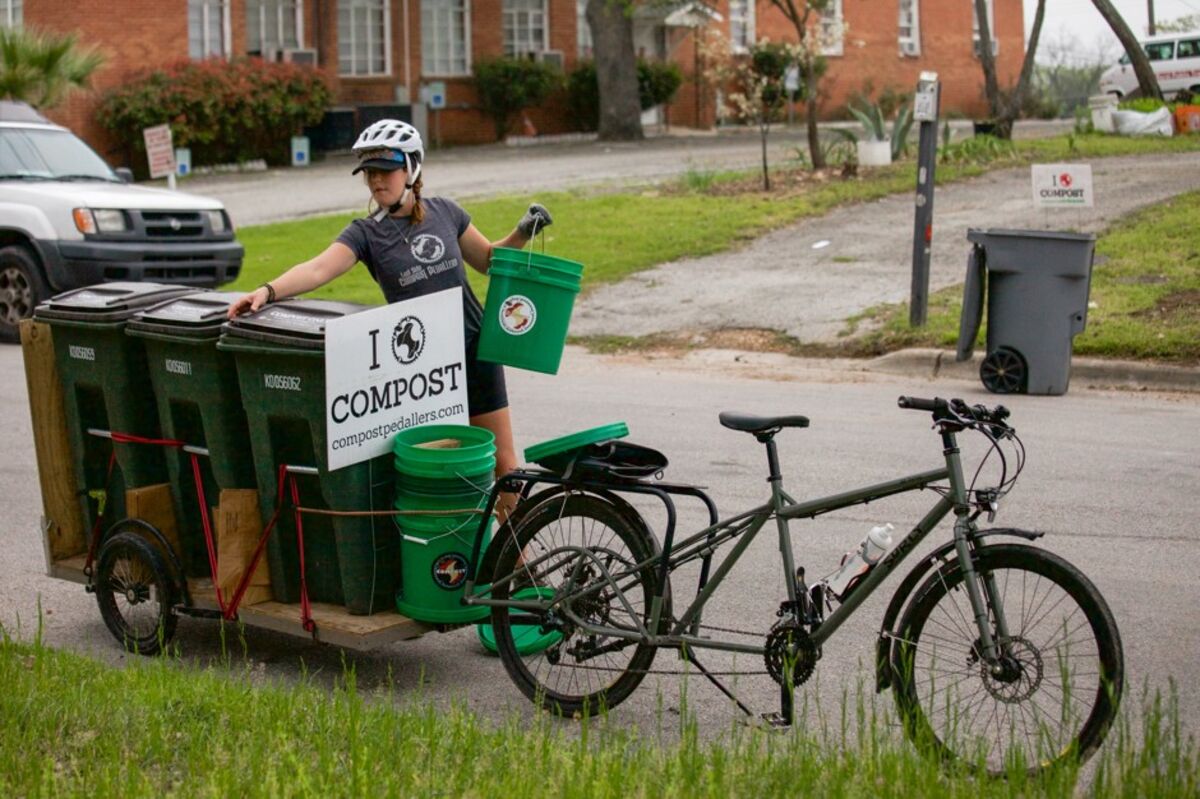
(216, 221)
(89, 220)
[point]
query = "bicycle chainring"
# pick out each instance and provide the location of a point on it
(787, 645)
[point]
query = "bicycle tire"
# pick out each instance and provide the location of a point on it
(549, 538)
(136, 593)
(1058, 626)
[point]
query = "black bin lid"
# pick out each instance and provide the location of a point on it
(199, 314)
(291, 323)
(106, 303)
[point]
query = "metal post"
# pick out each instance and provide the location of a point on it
(925, 111)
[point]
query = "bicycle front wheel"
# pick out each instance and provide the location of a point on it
(1055, 691)
(564, 545)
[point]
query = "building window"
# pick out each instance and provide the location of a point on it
(10, 14)
(208, 28)
(364, 38)
(741, 25)
(446, 37)
(831, 28)
(583, 30)
(524, 27)
(991, 18)
(910, 27)
(273, 25)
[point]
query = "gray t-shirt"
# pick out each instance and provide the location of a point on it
(411, 261)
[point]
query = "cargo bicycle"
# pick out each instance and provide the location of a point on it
(999, 654)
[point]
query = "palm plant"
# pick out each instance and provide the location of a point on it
(41, 68)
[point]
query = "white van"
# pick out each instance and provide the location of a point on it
(1175, 60)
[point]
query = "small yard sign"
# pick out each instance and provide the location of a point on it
(159, 152)
(1062, 186)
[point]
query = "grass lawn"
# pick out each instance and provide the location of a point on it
(618, 234)
(70, 726)
(1145, 295)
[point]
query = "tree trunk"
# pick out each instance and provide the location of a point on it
(987, 59)
(1147, 83)
(810, 114)
(616, 70)
(764, 128)
(1004, 124)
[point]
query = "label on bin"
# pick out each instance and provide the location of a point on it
(518, 315)
(392, 368)
(1062, 185)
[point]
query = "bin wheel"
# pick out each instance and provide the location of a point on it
(136, 593)
(1003, 372)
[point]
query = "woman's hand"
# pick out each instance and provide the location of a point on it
(249, 303)
(535, 219)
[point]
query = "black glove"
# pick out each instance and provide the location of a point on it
(535, 219)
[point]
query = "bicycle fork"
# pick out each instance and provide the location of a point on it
(981, 592)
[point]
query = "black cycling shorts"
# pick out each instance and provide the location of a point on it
(486, 391)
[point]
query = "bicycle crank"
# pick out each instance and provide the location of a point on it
(789, 649)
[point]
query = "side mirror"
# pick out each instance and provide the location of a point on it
(125, 174)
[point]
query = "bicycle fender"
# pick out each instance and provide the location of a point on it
(487, 563)
(152, 534)
(942, 555)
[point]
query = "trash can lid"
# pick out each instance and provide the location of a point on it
(291, 323)
(196, 315)
(979, 236)
(556, 446)
(106, 302)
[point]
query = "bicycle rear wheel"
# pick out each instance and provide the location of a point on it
(571, 538)
(1051, 699)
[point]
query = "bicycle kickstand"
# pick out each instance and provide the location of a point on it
(690, 657)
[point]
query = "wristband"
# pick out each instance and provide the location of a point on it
(270, 291)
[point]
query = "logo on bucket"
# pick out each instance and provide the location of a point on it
(518, 315)
(427, 248)
(408, 340)
(450, 571)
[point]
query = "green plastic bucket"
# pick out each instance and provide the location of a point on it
(528, 310)
(434, 553)
(527, 638)
(472, 460)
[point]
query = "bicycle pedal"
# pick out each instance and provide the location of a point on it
(775, 721)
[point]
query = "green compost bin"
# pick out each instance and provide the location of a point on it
(103, 374)
(349, 560)
(529, 301)
(444, 476)
(200, 403)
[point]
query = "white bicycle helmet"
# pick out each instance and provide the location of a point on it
(391, 144)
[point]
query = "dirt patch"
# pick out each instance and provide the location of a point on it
(1178, 303)
(785, 182)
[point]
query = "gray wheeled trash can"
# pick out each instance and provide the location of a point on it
(1036, 284)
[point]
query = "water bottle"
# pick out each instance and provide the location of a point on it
(858, 561)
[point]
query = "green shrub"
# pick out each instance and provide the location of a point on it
(658, 82)
(508, 85)
(1143, 105)
(224, 111)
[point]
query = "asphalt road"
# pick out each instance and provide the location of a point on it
(1110, 477)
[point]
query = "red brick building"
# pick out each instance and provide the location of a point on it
(382, 53)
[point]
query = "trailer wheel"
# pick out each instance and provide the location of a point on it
(136, 593)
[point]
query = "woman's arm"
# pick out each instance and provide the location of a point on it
(337, 259)
(477, 250)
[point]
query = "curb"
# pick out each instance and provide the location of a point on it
(1095, 372)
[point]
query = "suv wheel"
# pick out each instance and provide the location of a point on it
(21, 289)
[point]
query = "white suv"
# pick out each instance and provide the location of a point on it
(1175, 60)
(68, 220)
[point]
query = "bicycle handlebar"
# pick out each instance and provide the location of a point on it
(956, 410)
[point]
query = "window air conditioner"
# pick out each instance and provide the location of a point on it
(909, 48)
(552, 57)
(307, 57)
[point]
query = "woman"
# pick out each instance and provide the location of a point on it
(414, 246)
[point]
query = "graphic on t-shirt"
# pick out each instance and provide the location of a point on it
(427, 248)
(517, 315)
(408, 340)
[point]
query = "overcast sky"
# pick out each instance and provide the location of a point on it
(1079, 20)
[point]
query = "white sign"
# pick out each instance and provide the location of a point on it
(390, 369)
(434, 94)
(159, 151)
(791, 79)
(1062, 186)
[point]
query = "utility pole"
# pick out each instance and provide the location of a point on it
(1150, 29)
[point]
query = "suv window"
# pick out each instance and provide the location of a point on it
(1188, 48)
(1160, 51)
(48, 153)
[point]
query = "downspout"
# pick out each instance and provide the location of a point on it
(407, 56)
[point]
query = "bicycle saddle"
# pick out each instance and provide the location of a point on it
(748, 423)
